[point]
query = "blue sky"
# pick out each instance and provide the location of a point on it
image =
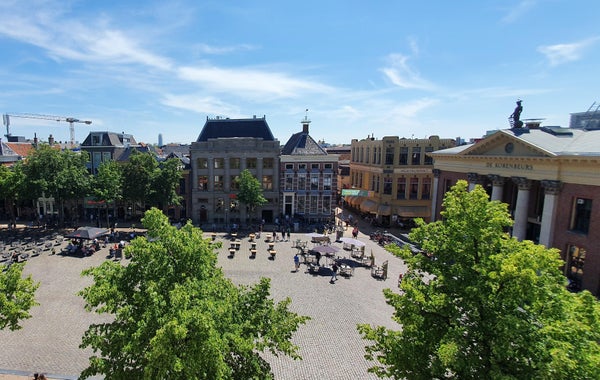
(387, 68)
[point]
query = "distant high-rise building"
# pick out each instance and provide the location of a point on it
(160, 139)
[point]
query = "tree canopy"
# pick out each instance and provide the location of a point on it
(482, 305)
(251, 192)
(177, 316)
(16, 297)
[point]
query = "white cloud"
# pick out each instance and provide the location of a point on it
(563, 53)
(201, 104)
(518, 11)
(251, 83)
(402, 75)
(218, 50)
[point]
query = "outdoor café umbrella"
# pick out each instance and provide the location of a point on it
(325, 249)
(352, 241)
(87, 233)
(315, 235)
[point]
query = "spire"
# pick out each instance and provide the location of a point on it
(305, 122)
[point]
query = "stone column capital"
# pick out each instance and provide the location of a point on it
(437, 173)
(551, 187)
(522, 182)
(473, 177)
(497, 180)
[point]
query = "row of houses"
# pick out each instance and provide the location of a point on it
(548, 177)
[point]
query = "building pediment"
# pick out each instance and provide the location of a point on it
(502, 143)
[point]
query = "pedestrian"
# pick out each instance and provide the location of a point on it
(334, 269)
(289, 234)
(296, 262)
(274, 235)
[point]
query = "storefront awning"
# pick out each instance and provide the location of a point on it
(355, 201)
(368, 205)
(413, 211)
(384, 210)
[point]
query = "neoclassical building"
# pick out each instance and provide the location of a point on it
(397, 175)
(308, 178)
(224, 148)
(550, 179)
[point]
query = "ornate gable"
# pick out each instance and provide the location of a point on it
(503, 143)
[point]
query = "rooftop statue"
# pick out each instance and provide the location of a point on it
(515, 118)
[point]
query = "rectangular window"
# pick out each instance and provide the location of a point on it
(301, 181)
(574, 269)
(234, 163)
(202, 163)
(182, 187)
(426, 188)
(328, 166)
(428, 159)
(326, 204)
(581, 214)
(314, 204)
(387, 186)
(414, 188)
(314, 181)
(218, 183)
(202, 183)
(389, 156)
(219, 205)
(289, 166)
(268, 163)
(403, 158)
(301, 204)
(251, 163)
(267, 182)
(416, 156)
(327, 182)
(106, 156)
(219, 163)
(301, 166)
(401, 188)
(234, 205)
(314, 166)
(289, 181)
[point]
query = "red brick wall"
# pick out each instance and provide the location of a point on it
(563, 237)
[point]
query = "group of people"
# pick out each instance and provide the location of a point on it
(334, 266)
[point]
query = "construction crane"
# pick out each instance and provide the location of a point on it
(71, 120)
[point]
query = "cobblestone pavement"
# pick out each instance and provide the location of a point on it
(330, 344)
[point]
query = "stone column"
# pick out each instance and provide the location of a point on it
(521, 208)
(498, 187)
(211, 174)
(434, 193)
(473, 180)
(551, 190)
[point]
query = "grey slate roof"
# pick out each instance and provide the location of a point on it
(231, 128)
(554, 141)
(302, 144)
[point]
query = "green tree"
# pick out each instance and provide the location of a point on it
(176, 316)
(11, 181)
(251, 192)
(164, 183)
(482, 305)
(108, 185)
(138, 173)
(59, 174)
(16, 297)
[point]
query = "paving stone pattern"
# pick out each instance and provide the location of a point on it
(330, 344)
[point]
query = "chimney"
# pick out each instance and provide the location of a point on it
(35, 140)
(51, 140)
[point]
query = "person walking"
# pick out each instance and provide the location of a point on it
(296, 262)
(334, 269)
